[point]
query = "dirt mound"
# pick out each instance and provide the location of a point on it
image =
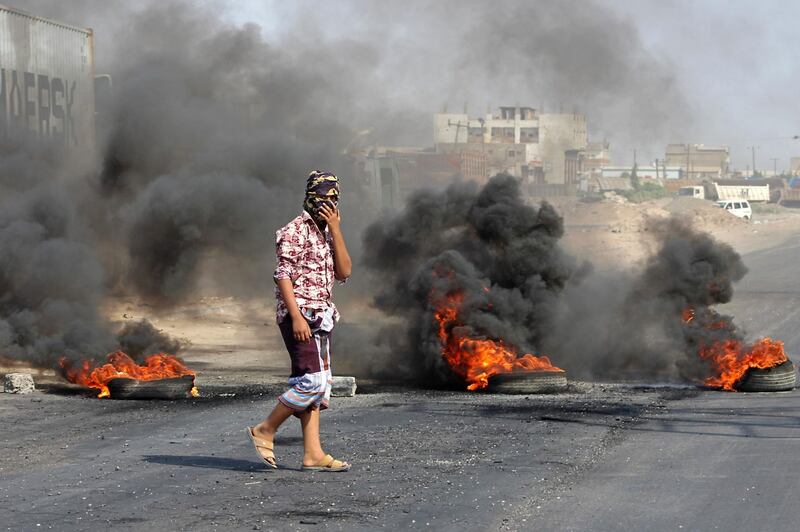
(611, 232)
(702, 212)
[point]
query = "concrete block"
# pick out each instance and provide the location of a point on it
(343, 387)
(18, 383)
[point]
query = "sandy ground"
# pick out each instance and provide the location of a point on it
(611, 234)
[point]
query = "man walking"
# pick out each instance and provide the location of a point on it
(311, 255)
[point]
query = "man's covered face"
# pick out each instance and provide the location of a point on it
(321, 188)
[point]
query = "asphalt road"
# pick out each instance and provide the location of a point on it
(422, 460)
(713, 462)
(601, 457)
(767, 301)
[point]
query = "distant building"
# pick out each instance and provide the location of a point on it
(516, 140)
(596, 155)
(643, 172)
(698, 161)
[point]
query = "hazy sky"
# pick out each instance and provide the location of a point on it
(736, 62)
(729, 64)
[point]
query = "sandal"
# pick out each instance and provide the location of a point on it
(264, 448)
(329, 464)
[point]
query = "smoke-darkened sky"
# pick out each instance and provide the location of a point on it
(732, 61)
(645, 72)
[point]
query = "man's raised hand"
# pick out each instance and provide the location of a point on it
(331, 215)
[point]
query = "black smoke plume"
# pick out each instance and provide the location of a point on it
(485, 244)
(206, 136)
(204, 142)
(50, 280)
(517, 285)
(632, 323)
(140, 338)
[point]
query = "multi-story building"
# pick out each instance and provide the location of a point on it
(516, 140)
(698, 161)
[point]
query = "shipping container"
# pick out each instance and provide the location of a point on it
(46, 82)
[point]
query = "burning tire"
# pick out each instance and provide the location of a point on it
(176, 388)
(775, 379)
(525, 382)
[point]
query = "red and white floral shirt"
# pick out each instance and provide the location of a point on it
(305, 255)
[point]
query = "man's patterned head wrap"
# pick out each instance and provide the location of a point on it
(320, 187)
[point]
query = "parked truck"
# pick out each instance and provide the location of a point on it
(731, 189)
(693, 191)
(753, 191)
(47, 82)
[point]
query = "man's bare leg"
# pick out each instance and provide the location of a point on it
(266, 429)
(312, 447)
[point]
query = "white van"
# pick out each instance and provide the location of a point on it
(740, 208)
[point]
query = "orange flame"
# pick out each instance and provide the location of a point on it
(120, 365)
(477, 360)
(731, 359)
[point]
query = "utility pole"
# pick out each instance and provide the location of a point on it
(458, 125)
(753, 155)
(774, 166)
(687, 162)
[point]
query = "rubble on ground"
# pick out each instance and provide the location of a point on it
(18, 383)
(343, 387)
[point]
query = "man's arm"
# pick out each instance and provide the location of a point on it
(342, 265)
(300, 328)
(288, 248)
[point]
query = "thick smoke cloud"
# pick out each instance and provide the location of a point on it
(562, 56)
(50, 280)
(204, 142)
(631, 324)
(209, 139)
(209, 131)
(210, 128)
(52, 284)
(176, 220)
(486, 245)
(503, 258)
(577, 55)
(140, 338)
